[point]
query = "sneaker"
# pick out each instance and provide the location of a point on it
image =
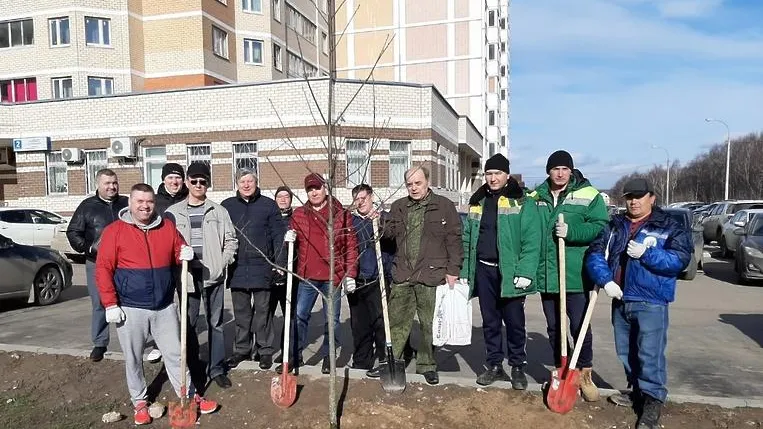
(376, 372)
(154, 356)
(431, 378)
(326, 367)
(97, 354)
(142, 416)
(650, 416)
(493, 374)
(622, 399)
(223, 381)
(518, 378)
(206, 406)
(266, 361)
(588, 389)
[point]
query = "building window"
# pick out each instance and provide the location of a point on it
(59, 31)
(502, 23)
(503, 71)
(277, 63)
(252, 51)
(399, 162)
(503, 141)
(491, 149)
(154, 159)
(99, 86)
(95, 160)
(300, 24)
(62, 87)
(300, 68)
(56, 172)
(18, 90)
(358, 162)
(325, 42)
(491, 51)
(503, 94)
(98, 31)
(16, 33)
(245, 156)
(491, 18)
(254, 6)
(200, 153)
(277, 10)
(219, 42)
(491, 117)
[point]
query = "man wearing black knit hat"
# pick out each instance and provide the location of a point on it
(501, 251)
(173, 189)
(567, 192)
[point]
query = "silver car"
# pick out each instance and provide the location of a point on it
(713, 222)
(729, 240)
(684, 218)
(36, 273)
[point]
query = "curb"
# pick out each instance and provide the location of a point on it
(358, 374)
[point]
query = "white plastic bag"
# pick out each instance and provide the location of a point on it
(452, 321)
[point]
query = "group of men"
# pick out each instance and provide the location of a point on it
(506, 248)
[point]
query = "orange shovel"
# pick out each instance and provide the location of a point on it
(184, 414)
(283, 389)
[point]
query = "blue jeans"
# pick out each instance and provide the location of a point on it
(99, 329)
(306, 297)
(641, 336)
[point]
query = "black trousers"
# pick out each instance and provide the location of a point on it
(576, 307)
(278, 299)
(367, 324)
(253, 322)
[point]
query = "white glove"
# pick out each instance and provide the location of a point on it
(114, 314)
(522, 282)
(290, 236)
(349, 285)
(560, 229)
(613, 290)
(186, 253)
(636, 250)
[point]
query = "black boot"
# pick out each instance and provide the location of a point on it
(493, 374)
(650, 416)
(518, 378)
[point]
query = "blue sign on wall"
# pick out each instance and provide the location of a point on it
(31, 144)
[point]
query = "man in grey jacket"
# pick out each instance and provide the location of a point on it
(207, 227)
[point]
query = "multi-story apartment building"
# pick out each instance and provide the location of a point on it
(460, 46)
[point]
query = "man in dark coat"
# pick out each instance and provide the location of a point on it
(260, 233)
(173, 189)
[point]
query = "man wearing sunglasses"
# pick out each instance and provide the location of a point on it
(207, 227)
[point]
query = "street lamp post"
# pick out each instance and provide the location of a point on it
(728, 153)
(667, 183)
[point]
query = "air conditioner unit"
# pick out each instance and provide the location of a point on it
(72, 154)
(4, 156)
(122, 147)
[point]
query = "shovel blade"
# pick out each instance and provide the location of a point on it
(183, 415)
(393, 377)
(283, 389)
(563, 392)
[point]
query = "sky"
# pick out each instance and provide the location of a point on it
(608, 79)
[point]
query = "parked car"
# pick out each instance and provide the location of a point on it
(684, 218)
(730, 241)
(36, 273)
(691, 205)
(32, 227)
(721, 213)
(748, 258)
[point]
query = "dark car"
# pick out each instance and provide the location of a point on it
(748, 259)
(37, 273)
(684, 218)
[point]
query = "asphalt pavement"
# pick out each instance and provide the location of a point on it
(715, 341)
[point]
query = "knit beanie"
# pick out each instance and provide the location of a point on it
(172, 168)
(560, 158)
(497, 162)
(283, 188)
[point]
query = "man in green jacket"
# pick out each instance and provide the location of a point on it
(501, 251)
(567, 192)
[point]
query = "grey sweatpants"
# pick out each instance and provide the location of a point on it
(164, 326)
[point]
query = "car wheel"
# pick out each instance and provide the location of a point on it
(691, 270)
(724, 248)
(48, 285)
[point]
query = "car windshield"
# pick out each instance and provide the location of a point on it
(746, 206)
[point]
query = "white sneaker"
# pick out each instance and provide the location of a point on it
(154, 356)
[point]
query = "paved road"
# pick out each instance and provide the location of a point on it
(715, 340)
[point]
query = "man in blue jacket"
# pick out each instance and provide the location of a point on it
(637, 259)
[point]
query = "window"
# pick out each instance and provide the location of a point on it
(97, 31)
(154, 159)
(252, 51)
(502, 23)
(56, 172)
(277, 10)
(491, 149)
(15, 216)
(244, 156)
(491, 51)
(62, 87)
(300, 68)
(299, 23)
(59, 31)
(95, 160)
(200, 153)
(219, 42)
(325, 42)
(503, 94)
(491, 117)
(18, 90)
(16, 33)
(399, 161)
(358, 162)
(491, 18)
(277, 63)
(503, 71)
(99, 86)
(254, 6)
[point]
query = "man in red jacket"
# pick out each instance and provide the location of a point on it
(309, 228)
(133, 273)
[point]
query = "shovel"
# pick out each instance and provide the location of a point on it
(559, 374)
(184, 414)
(283, 388)
(393, 374)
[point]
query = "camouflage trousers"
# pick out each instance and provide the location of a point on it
(407, 300)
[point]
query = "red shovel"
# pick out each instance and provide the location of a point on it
(283, 389)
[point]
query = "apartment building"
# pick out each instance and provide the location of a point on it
(460, 46)
(52, 49)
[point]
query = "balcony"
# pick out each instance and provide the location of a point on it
(493, 4)
(493, 35)
(493, 134)
(492, 101)
(491, 68)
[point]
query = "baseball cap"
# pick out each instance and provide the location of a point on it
(313, 180)
(637, 188)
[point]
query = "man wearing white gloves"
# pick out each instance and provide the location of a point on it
(501, 240)
(134, 277)
(637, 258)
